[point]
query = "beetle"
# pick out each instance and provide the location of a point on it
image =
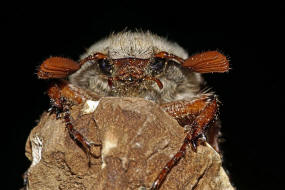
(140, 64)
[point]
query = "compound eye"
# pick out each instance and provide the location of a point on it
(157, 65)
(105, 66)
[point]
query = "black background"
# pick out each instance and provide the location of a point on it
(253, 105)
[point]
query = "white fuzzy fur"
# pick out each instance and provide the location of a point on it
(135, 44)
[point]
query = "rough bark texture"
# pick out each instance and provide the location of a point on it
(137, 139)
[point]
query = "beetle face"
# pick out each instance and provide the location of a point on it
(129, 71)
(132, 76)
(136, 64)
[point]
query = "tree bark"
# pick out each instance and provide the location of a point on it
(133, 138)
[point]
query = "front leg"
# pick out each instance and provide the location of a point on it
(199, 114)
(63, 95)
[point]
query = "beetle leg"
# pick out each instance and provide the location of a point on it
(63, 95)
(199, 113)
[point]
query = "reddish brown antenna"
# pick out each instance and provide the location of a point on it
(57, 67)
(208, 62)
